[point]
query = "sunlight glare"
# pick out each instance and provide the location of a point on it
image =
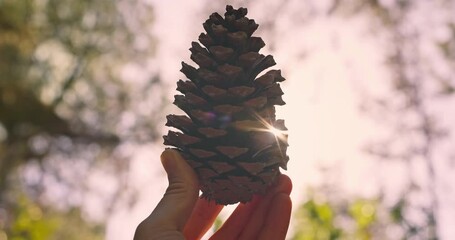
(277, 132)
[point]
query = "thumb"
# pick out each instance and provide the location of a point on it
(176, 206)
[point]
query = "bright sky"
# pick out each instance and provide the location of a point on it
(322, 95)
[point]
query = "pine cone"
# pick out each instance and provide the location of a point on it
(227, 136)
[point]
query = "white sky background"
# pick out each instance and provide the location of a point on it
(340, 58)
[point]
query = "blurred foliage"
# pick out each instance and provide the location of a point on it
(316, 221)
(340, 218)
(67, 103)
(77, 83)
(420, 83)
(33, 221)
(217, 224)
(30, 223)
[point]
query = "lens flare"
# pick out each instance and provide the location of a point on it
(277, 132)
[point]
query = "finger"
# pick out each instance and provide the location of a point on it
(233, 226)
(256, 221)
(277, 222)
(283, 185)
(201, 219)
(243, 212)
(177, 204)
(242, 215)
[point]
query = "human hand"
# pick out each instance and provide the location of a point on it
(181, 215)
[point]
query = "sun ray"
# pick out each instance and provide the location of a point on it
(280, 135)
